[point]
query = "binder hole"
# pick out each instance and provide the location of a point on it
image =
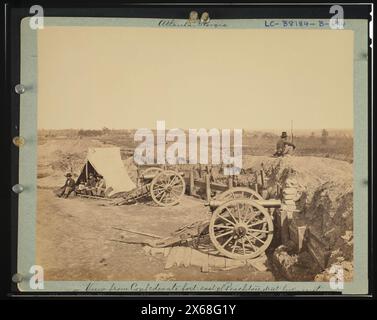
(17, 278)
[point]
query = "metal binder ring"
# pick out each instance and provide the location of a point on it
(205, 17)
(19, 88)
(193, 17)
(18, 188)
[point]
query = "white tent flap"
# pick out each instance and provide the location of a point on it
(107, 162)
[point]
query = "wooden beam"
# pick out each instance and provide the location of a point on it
(271, 203)
(214, 185)
(208, 187)
(230, 182)
(192, 182)
(139, 232)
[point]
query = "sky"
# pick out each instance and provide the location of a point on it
(127, 78)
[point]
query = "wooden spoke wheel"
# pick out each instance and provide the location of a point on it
(239, 193)
(150, 173)
(167, 187)
(241, 229)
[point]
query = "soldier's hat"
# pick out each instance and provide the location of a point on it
(68, 175)
(283, 135)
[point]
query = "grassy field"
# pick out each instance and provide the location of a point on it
(336, 147)
(335, 144)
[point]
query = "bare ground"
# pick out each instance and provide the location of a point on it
(74, 236)
(74, 241)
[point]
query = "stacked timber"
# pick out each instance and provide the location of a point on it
(291, 231)
(182, 256)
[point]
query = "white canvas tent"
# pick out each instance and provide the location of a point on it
(108, 163)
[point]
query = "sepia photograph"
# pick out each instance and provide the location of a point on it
(185, 154)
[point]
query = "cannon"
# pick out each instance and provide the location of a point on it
(241, 224)
(165, 187)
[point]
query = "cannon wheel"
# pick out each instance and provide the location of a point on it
(237, 193)
(241, 229)
(167, 187)
(153, 171)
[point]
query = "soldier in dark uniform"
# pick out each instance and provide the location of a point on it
(91, 185)
(100, 186)
(68, 187)
(282, 144)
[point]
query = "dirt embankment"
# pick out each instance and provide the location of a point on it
(325, 205)
(56, 157)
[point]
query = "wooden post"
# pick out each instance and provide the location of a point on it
(208, 187)
(278, 190)
(138, 177)
(284, 227)
(86, 171)
(262, 178)
(256, 181)
(192, 182)
(230, 182)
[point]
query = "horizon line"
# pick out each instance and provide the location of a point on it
(245, 129)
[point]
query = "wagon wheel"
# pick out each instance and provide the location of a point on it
(151, 172)
(241, 229)
(239, 192)
(167, 187)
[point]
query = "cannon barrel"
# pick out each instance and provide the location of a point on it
(271, 203)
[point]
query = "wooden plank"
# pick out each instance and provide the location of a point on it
(282, 221)
(301, 231)
(297, 234)
(230, 182)
(138, 232)
(271, 203)
(211, 261)
(197, 258)
(187, 257)
(202, 185)
(263, 178)
(208, 187)
(205, 265)
(171, 260)
(192, 183)
(317, 249)
(180, 255)
(93, 197)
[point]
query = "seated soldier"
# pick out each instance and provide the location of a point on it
(81, 188)
(90, 187)
(101, 186)
(282, 144)
(68, 187)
